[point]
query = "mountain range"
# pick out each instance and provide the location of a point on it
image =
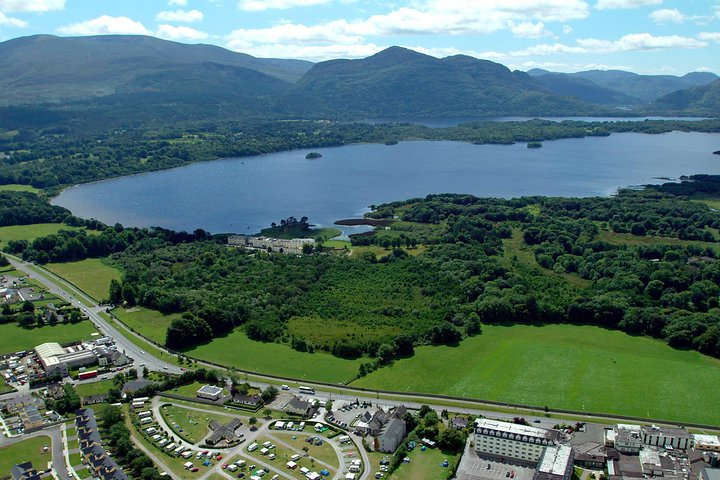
(125, 80)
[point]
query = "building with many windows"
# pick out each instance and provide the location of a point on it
(509, 441)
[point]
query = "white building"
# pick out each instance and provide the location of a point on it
(511, 441)
(709, 443)
(210, 392)
(628, 438)
(56, 359)
(555, 464)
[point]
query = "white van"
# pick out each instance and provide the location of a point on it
(252, 447)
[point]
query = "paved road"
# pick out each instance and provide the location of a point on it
(58, 459)
(88, 306)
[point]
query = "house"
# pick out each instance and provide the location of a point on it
(459, 423)
(298, 406)
(223, 434)
(387, 428)
(129, 388)
(248, 400)
(24, 471)
(100, 464)
(93, 399)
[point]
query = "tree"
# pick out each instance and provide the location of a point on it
(27, 306)
(115, 293)
(269, 394)
(252, 420)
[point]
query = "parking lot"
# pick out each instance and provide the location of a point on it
(349, 413)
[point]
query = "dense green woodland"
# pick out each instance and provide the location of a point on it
(472, 272)
(59, 156)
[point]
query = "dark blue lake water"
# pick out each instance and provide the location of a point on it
(244, 195)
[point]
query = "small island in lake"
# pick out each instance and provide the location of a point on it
(312, 155)
(534, 145)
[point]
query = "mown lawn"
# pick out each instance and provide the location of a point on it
(92, 275)
(150, 323)
(14, 338)
(565, 366)
(28, 450)
(425, 465)
(93, 388)
(237, 350)
(31, 232)
(191, 425)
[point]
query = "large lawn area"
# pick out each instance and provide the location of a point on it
(237, 350)
(151, 323)
(565, 366)
(93, 388)
(425, 465)
(191, 425)
(14, 338)
(30, 232)
(27, 450)
(15, 187)
(92, 275)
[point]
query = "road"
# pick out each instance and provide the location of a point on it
(58, 458)
(78, 299)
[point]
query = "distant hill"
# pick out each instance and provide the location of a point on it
(703, 100)
(398, 82)
(44, 68)
(585, 90)
(645, 87)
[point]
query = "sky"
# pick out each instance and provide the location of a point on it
(643, 36)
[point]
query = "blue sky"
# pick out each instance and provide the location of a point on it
(644, 36)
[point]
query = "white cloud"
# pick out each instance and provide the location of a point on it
(315, 53)
(187, 16)
(11, 21)
(106, 25)
(608, 4)
(170, 32)
(709, 36)
(667, 15)
(179, 3)
(260, 5)
(567, 29)
(703, 69)
(529, 29)
(31, 5)
(627, 43)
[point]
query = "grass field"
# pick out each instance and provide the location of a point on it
(712, 202)
(31, 232)
(93, 388)
(27, 450)
(191, 425)
(15, 187)
(582, 368)
(150, 323)
(4, 387)
(92, 275)
(425, 465)
(237, 350)
(13, 338)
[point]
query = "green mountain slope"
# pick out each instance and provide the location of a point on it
(645, 87)
(704, 100)
(399, 82)
(584, 90)
(45, 68)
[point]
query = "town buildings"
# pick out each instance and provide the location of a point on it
(510, 441)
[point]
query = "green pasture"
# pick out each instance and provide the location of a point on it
(150, 323)
(237, 350)
(93, 388)
(31, 232)
(16, 187)
(92, 275)
(584, 368)
(14, 338)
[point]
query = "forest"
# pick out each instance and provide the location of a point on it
(644, 262)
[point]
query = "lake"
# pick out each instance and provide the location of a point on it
(243, 195)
